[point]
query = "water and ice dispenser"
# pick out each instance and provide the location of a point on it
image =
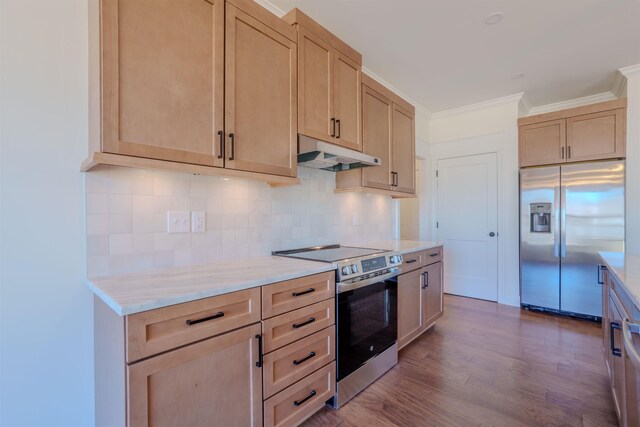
(540, 217)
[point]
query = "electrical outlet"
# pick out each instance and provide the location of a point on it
(198, 222)
(178, 222)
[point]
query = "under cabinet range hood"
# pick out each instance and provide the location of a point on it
(322, 155)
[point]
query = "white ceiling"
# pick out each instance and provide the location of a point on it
(442, 54)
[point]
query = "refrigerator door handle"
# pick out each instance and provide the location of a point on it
(556, 222)
(563, 221)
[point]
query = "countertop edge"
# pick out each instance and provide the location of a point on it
(606, 258)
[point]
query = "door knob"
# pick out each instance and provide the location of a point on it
(492, 234)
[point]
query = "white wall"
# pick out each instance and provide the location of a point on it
(127, 218)
(46, 318)
(632, 196)
(491, 127)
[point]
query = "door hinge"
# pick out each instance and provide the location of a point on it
(437, 224)
(436, 173)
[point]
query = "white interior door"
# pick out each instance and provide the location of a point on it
(467, 221)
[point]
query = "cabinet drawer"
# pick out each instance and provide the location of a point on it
(155, 331)
(289, 327)
(297, 403)
(432, 255)
(291, 363)
(289, 295)
(413, 261)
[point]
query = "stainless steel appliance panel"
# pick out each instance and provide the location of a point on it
(539, 252)
(592, 220)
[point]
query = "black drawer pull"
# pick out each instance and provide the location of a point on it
(612, 339)
(221, 135)
(232, 137)
(308, 291)
(411, 261)
(426, 280)
(204, 319)
(436, 254)
(299, 325)
(298, 403)
(338, 132)
(304, 359)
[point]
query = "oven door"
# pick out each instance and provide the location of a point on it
(366, 323)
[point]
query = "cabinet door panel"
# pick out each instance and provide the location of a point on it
(376, 138)
(162, 70)
(260, 97)
(617, 363)
(346, 101)
(315, 108)
(409, 307)
(596, 136)
(432, 304)
(403, 149)
(543, 143)
(213, 382)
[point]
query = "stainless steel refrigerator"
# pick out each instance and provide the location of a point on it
(567, 215)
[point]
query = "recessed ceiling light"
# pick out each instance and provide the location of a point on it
(494, 18)
(517, 76)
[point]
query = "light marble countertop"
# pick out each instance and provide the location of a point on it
(402, 246)
(136, 292)
(626, 268)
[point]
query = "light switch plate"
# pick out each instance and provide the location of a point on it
(198, 222)
(178, 222)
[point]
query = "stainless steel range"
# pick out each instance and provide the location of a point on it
(366, 312)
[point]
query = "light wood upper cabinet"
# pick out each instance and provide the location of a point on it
(590, 132)
(329, 77)
(207, 87)
(542, 143)
(162, 70)
(346, 98)
(596, 136)
(376, 129)
(315, 86)
(409, 306)
(213, 382)
(260, 96)
(403, 146)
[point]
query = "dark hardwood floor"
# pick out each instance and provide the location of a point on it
(485, 364)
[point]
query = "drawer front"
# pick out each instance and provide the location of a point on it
(432, 255)
(297, 403)
(413, 261)
(289, 327)
(289, 295)
(291, 363)
(163, 329)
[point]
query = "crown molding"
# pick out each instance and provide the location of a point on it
(571, 103)
(271, 7)
(419, 107)
(619, 85)
(630, 70)
(516, 98)
(524, 106)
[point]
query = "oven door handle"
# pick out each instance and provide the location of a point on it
(344, 287)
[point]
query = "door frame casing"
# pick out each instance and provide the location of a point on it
(502, 144)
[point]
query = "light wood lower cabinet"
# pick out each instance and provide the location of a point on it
(213, 382)
(420, 294)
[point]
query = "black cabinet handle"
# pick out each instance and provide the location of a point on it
(562, 153)
(221, 139)
(333, 127)
(299, 325)
(432, 255)
(612, 339)
(568, 152)
(298, 403)
(308, 291)
(410, 261)
(338, 124)
(304, 359)
(232, 137)
(204, 319)
(426, 280)
(600, 268)
(259, 362)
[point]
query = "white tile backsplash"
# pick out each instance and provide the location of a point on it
(127, 218)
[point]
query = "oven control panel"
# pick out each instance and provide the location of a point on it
(365, 267)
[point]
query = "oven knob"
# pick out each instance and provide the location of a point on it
(394, 259)
(354, 268)
(346, 270)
